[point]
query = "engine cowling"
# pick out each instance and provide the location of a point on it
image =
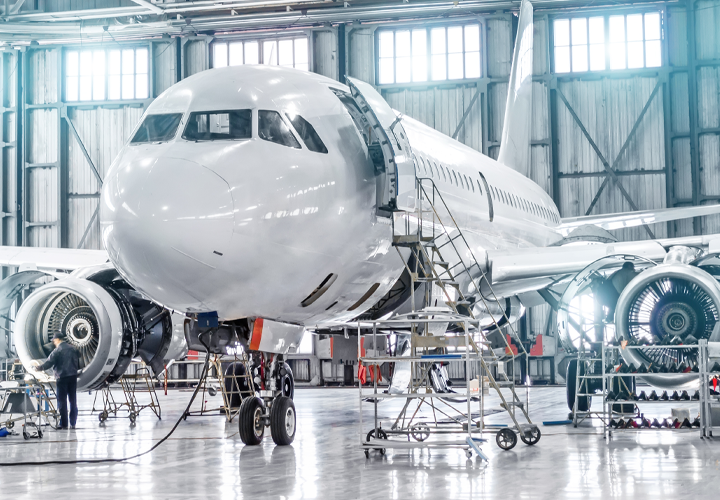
(104, 318)
(664, 305)
(492, 312)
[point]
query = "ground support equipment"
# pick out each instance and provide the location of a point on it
(234, 385)
(30, 402)
(427, 413)
(132, 384)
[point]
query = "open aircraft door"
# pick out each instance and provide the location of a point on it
(389, 149)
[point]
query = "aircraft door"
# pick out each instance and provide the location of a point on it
(389, 149)
(489, 196)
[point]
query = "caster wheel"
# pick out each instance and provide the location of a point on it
(282, 421)
(420, 432)
(133, 418)
(468, 453)
(534, 437)
(10, 424)
(506, 439)
(103, 416)
(212, 391)
(40, 433)
(367, 454)
(251, 422)
(381, 435)
(26, 435)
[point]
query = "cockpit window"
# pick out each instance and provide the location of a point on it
(219, 125)
(271, 127)
(307, 133)
(157, 128)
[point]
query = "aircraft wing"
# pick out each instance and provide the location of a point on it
(67, 259)
(637, 218)
(521, 265)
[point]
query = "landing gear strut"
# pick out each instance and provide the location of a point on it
(273, 408)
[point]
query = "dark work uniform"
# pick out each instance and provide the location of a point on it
(64, 361)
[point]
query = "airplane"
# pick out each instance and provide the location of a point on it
(254, 203)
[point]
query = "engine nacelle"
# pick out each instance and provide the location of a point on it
(668, 303)
(104, 318)
(490, 312)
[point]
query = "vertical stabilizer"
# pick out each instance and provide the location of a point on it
(515, 141)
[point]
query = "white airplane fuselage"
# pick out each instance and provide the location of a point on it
(249, 228)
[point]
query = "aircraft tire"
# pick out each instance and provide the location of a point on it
(283, 421)
(287, 382)
(251, 423)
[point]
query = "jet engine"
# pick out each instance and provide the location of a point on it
(108, 321)
(504, 311)
(667, 305)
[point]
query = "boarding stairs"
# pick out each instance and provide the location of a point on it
(441, 255)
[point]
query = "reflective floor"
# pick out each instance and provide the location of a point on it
(206, 459)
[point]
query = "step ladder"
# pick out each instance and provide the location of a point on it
(585, 381)
(442, 256)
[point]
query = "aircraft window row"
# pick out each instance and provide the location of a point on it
(271, 127)
(440, 172)
(523, 204)
(219, 125)
(157, 128)
(307, 133)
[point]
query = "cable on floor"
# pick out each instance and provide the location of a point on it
(111, 460)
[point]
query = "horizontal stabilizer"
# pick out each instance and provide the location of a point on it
(638, 218)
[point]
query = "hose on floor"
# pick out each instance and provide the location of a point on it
(154, 447)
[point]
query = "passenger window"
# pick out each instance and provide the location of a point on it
(455, 177)
(157, 128)
(479, 186)
(307, 133)
(443, 172)
(469, 181)
(219, 125)
(271, 127)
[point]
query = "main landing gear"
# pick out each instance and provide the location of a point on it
(273, 407)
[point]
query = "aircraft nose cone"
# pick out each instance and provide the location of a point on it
(167, 223)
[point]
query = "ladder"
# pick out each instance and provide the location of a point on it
(585, 383)
(442, 256)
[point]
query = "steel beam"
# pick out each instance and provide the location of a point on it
(606, 165)
(82, 148)
(467, 112)
(693, 111)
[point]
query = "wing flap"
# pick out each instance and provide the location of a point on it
(51, 258)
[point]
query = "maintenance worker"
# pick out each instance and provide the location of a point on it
(65, 362)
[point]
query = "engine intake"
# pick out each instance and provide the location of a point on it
(665, 305)
(104, 318)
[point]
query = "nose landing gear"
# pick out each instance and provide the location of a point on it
(273, 408)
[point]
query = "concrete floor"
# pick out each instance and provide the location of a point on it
(206, 459)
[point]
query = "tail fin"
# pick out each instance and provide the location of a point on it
(515, 142)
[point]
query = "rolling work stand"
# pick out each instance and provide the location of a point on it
(427, 412)
(132, 384)
(28, 401)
